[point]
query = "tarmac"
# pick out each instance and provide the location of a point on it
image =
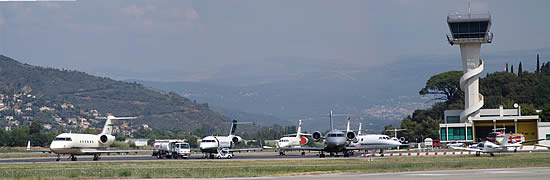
(532, 173)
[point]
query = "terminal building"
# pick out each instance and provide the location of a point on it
(473, 124)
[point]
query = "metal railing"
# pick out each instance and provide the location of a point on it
(453, 39)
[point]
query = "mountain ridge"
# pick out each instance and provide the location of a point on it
(155, 108)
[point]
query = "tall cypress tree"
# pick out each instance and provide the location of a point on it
(506, 68)
(520, 70)
(512, 69)
(538, 64)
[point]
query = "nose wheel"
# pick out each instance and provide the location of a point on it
(58, 157)
(73, 158)
(96, 157)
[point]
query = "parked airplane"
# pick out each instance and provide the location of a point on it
(292, 140)
(374, 141)
(75, 144)
(335, 141)
(501, 144)
(220, 146)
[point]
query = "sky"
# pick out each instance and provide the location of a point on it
(179, 40)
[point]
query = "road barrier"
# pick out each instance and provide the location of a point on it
(454, 153)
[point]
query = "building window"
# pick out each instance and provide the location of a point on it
(453, 119)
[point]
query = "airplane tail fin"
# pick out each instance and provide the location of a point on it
(347, 127)
(359, 131)
(108, 127)
(299, 131)
(233, 129)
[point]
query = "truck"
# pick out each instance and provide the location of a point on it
(171, 148)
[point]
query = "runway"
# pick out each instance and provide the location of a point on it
(194, 157)
(263, 155)
(531, 173)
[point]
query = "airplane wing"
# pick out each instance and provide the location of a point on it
(301, 148)
(245, 149)
(534, 140)
(467, 149)
(542, 145)
(37, 150)
(113, 151)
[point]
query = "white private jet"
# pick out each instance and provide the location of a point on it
(75, 144)
(293, 140)
(220, 146)
(374, 141)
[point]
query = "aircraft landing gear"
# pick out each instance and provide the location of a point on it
(492, 154)
(322, 155)
(346, 154)
(303, 153)
(281, 153)
(58, 157)
(73, 158)
(331, 154)
(478, 154)
(96, 157)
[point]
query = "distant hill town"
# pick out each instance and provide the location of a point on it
(64, 100)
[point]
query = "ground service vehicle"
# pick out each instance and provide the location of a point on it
(171, 148)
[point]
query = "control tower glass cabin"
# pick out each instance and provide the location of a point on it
(469, 28)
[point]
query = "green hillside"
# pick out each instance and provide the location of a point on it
(531, 90)
(53, 87)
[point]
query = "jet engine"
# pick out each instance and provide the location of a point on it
(236, 139)
(351, 136)
(106, 139)
(304, 140)
(316, 136)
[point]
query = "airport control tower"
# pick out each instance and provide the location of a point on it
(470, 31)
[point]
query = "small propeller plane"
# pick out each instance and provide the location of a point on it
(501, 143)
(75, 144)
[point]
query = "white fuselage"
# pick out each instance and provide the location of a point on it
(68, 143)
(211, 144)
(376, 141)
(289, 142)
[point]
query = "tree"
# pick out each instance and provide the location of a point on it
(446, 84)
(520, 69)
(35, 128)
(538, 64)
(512, 69)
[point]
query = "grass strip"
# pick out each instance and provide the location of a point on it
(254, 168)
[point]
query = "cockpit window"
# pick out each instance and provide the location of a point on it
(206, 140)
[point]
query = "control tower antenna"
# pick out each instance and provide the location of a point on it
(469, 8)
(470, 32)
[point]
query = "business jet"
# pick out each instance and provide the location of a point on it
(345, 142)
(335, 141)
(375, 141)
(292, 140)
(74, 144)
(220, 146)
